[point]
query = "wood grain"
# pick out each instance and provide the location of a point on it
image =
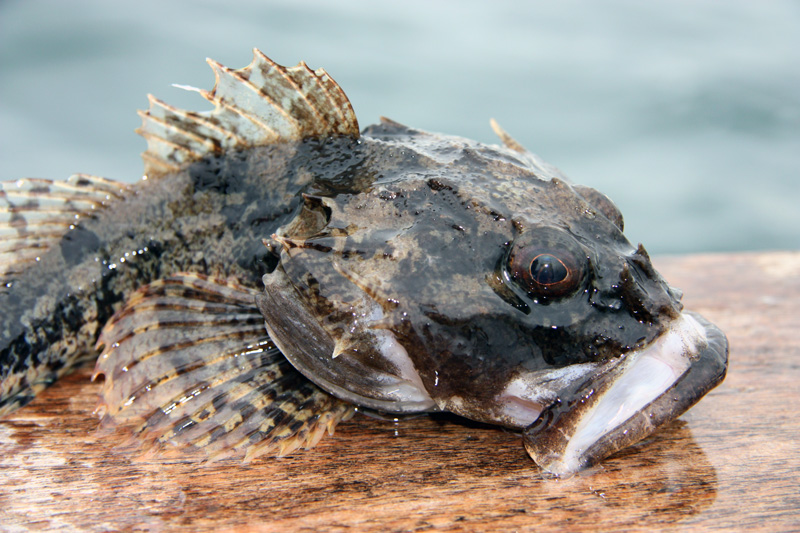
(732, 462)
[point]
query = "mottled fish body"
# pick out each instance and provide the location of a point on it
(393, 269)
(57, 301)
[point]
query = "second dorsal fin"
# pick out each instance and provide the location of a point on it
(262, 103)
(36, 213)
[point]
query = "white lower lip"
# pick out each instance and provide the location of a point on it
(645, 375)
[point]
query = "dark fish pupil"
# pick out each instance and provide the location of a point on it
(547, 269)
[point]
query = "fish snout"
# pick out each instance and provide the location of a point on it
(624, 403)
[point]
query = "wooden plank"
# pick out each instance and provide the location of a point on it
(732, 462)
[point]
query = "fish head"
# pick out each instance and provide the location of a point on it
(477, 280)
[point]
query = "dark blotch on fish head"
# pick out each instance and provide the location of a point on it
(460, 277)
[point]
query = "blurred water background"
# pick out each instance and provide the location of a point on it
(685, 112)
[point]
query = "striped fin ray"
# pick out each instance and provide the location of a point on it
(36, 213)
(187, 362)
(262, 103)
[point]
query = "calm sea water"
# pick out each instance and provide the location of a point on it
(685, 112)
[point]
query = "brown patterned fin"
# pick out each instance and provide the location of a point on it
(36, 213)
(187, 362)
(262, 103)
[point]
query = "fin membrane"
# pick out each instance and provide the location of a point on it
(187, 361)
(36, 213)
(262, 103)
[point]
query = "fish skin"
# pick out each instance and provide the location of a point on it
(208, 219)
(396, 269)
(450, 211)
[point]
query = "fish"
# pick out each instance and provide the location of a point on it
(277, 269)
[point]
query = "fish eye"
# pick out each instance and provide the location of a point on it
(545, 272)
(547, 269)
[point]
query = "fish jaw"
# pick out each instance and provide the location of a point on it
(631, 399)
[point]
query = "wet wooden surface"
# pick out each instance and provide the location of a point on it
(732, 462)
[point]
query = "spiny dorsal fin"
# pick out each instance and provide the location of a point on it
(262, 103)
(36, 213)
(187, 361)
(509, 141)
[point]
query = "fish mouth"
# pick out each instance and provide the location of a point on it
(630, 400)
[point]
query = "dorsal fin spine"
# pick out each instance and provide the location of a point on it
(167, 125)
(262, 103)
(177, 148)
(185, 146)
(154, 163)
(258, 56)
(184, 119)
(507, 139)
(302, 68)
(270, 131)
(213, 96)
(329, 85)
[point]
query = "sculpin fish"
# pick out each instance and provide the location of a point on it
(276, 267)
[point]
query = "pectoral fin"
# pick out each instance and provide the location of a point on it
(187, 362)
